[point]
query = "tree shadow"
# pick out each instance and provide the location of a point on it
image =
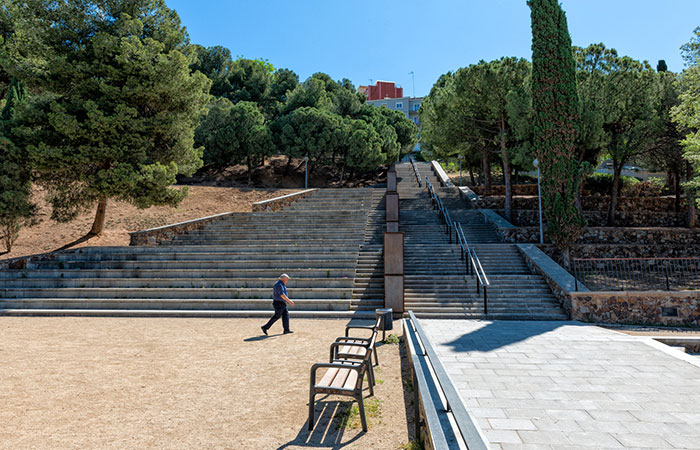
(327, 432)
(80, 240)
(498, 334)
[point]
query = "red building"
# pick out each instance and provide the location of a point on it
(381, 90)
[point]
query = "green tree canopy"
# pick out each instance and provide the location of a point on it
(118, 107)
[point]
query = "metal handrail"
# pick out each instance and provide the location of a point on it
(473, 266)
(416, 172)
(418, 341)
(468, 255)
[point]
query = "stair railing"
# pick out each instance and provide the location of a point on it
(471, 259)
(443, 213)
(473, 266)
(416, 172)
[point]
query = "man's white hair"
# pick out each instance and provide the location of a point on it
(284, 275)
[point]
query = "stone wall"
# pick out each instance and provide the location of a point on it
(525, 218)
(625, 251)
(275, 204)
(643, 307)
(610, 235)
(599, 203)
(499, 189)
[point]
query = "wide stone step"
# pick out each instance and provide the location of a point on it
(217, 264)
(204, 313)
(205, 256)
(214, 249)
(269, 274)
(172, 293)
(174, 283)
(166, 304)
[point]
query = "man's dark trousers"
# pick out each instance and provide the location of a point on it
(280, 311)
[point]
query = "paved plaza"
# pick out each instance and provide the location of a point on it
(549, 385)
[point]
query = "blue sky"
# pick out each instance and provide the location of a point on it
(387, 39)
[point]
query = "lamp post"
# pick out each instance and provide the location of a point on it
(536, 163)
(306, 172)
(460, 158)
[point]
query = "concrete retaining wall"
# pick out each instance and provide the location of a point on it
(441, 175)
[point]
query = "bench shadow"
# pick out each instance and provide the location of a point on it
(326, 433)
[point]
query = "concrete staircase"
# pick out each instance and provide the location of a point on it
(327, 242)
(436, 285)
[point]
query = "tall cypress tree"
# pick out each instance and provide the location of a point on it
(555, 105)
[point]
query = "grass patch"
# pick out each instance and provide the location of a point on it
(413, 445)
(350, 417)
(392, 339)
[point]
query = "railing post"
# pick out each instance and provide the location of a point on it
(486, 306)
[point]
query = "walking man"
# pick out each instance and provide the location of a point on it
(279, 302)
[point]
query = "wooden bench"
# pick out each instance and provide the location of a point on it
(369, 342)
(341, 378)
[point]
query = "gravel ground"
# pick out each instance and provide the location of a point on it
(180, 383)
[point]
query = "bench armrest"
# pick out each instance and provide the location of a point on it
(360, 327)
(334, 365)
(352, 338)
(336, 345)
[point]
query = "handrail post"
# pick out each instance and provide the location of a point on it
(486, 306)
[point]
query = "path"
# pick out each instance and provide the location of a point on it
(570, 385)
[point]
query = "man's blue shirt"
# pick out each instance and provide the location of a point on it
(277, 290)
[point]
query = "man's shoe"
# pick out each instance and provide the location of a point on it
(287, 332)
(264, 330)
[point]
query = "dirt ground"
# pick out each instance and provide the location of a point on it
(180, 383)
(123, 218)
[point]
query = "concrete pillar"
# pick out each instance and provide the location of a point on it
(393, 271)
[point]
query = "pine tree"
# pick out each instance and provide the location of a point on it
(555, 105)
(118, 108)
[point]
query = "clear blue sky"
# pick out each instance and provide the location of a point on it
(387, 39)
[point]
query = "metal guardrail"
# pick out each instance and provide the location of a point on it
(416, 172)
(637, 274)
(430, 380)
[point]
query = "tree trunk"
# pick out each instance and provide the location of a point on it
(617, 170)
(677, 190)
(250, 170)
(471, 174)
(98, 225)
(692, 210)
(289, 164)
(342, 174)
(486, 168)
(506, 171)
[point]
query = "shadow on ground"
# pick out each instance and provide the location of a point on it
(497, 334)
(327, 432)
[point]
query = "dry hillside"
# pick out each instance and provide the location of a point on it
(123, 218)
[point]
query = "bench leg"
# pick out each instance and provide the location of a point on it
(372, 380)
(312, 406)
(376, 357)
(361, 407)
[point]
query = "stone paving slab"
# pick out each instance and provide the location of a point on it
(568, 385)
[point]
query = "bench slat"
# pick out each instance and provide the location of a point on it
(340, 378)
(328, 377)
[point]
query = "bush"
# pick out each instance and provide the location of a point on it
(601, 183)
(653, 187)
